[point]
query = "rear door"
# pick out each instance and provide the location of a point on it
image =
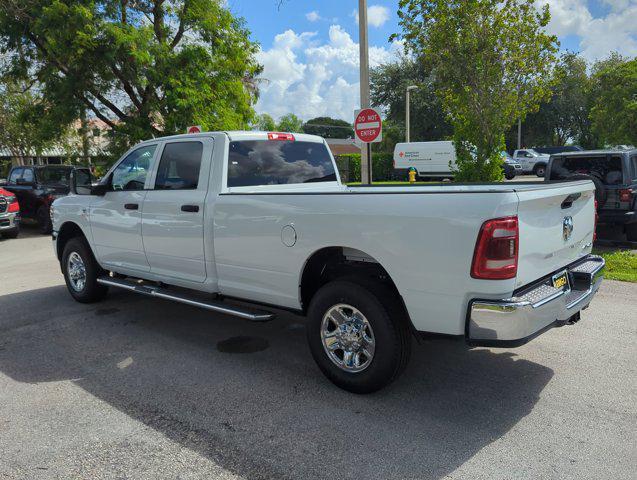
(173, 215)
(556, 227)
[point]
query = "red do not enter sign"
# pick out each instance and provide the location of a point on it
(368, 126)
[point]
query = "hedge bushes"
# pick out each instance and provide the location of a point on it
(349, 166)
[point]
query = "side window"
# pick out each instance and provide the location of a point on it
(27, 175)
(634, 162)
(15, 174)
(131, 173)
(179, 166)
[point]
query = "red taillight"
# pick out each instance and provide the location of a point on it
(625, 195)
(280, 136)
(496, 253)
(595, 224)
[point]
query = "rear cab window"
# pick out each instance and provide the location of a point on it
(278, 162)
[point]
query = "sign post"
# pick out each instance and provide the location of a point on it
(368, 129)
(366, 157)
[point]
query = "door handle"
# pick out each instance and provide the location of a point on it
(190, 208)
(131, 206)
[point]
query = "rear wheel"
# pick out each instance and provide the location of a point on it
(358, 335)
(539, 170)
(44, 220)
(631, 232)
(81, 271)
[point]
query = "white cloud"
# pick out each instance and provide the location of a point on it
(314, 79)
(313, 16)
(598, 36)
(377, 15)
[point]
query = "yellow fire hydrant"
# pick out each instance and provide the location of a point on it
(412, 175)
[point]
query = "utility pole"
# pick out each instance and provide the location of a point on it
(519, 133)
(366, 150)
(407, 124)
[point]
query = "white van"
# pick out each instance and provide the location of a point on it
(430, 159)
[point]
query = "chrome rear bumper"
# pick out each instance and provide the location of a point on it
(514, 321)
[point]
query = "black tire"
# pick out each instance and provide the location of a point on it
(509, 176)
(388, 321)
(91, 291)
(539, 170)
(600, 190)
(631, 232)
(44, 220)
(13, 233)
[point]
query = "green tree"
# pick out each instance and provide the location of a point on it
(265, 123)
(614, 109)
(328, 127)
(290, 123)
(565, 117)
(491, 61)
(389, 83)
(25, 127)
(146, 68)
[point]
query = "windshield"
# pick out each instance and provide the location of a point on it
(54, 175)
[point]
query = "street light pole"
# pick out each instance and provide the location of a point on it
(407, 124)
(366, 150)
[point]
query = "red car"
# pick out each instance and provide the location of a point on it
(9, 214)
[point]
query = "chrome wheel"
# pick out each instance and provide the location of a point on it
(76, 271)
(348, 338)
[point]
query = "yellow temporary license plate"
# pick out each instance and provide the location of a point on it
(560, 280)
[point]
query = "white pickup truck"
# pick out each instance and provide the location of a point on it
(211, 218)
(532, 161)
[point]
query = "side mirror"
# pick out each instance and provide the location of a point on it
(99, 189)
(80, 182)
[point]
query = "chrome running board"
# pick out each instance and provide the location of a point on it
(158, 292)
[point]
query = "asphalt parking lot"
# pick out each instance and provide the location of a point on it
(135, 388)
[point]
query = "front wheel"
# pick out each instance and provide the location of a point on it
(44, 220)
(81, 271)
(509, 176)
(358, 335)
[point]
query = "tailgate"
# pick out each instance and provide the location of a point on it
(545, 216)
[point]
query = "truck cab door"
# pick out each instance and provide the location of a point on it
(173, 225)
(116, 218)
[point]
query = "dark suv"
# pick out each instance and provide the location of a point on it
(614, 174)
(36, 187)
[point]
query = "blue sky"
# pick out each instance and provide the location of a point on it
(309, 48)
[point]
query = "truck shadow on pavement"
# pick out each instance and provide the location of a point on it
(269, 413)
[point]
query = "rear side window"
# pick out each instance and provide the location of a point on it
(179, 166)
(277, 162)
(607, 169)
